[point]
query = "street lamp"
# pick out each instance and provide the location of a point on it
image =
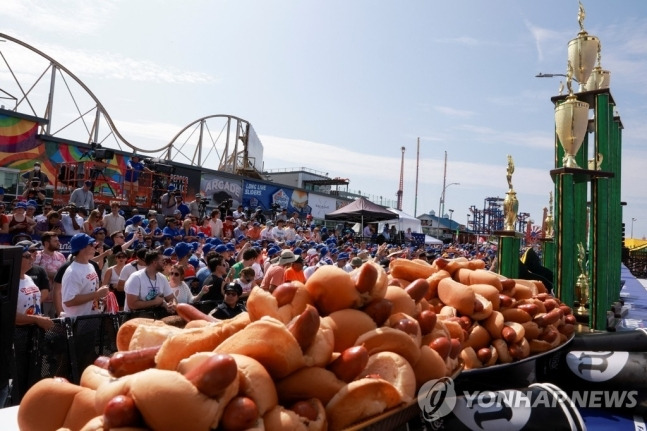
(451, 230)
(633, 219)
(441, 205)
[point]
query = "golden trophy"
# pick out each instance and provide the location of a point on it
(571, 122)
(549, 222)
(582, 50)
(510, 203)
(582, 284)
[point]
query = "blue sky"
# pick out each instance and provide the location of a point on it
(341, 86)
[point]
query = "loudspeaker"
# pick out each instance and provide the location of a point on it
(10, 261)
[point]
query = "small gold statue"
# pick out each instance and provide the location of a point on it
(581, 15)
(582, 284)
(549, 223)
(510, 203)
(510, 171)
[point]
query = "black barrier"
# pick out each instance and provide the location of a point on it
(70, 346)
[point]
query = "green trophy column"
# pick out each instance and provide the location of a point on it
(508, 253)
(565, 237)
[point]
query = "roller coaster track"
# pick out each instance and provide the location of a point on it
(224, 137)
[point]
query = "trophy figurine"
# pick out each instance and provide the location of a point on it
(582, 284)
(549, 223)
(510, 203)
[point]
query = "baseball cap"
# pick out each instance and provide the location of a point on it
(221, 248)
(343, 256)
(136, 219)
(182, 249)
(80, 241)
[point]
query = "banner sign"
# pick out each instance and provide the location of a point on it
(257, 194)
(219, 188)
(321, 205)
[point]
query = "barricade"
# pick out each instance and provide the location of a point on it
(69, 346)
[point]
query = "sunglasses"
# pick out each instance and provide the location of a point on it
(177, 274)
(27, 256)
(248, 280)
(230, 293)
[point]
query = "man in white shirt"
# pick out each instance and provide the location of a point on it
(72, 221)
(81, 291)
(168, 202)
(216, 224)
(148, 287)
(266, 232)
(113, 221)
(278, 233)
(290, 231)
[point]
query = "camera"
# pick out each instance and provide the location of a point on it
(275, 207)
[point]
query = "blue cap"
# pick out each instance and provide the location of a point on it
(231, 247)
(193, 260)
(215, 241)
(207, 248)
(221, 248)
(324, 229)
(136, 218)
(22, 205)
(298, 251)
(202, 235)
(182, 249)
(195, 245)
(168, 251)
(291, 243)
(343, 256)
(80, 241)
(241, 238)
(145, 222)
(99, 229)
(171, 187)
(32, 203)
(323, 251)
(272, 251)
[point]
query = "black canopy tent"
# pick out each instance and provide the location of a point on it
(361, 211)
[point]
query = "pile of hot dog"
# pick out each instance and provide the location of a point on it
(324, 355)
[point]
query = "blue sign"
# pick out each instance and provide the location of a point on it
(257, 194)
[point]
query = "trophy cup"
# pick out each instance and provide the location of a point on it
(599, 77)
(571, 121)
(510, 203)
(582, 284)
(582, 50)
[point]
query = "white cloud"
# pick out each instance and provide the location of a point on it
(453, 112)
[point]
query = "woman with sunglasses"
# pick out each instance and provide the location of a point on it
(95, 220)
(179, 287)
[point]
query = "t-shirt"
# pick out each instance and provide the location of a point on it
(182, 294)
(28, 297)
(144, 288)
(215, 291)
(79, 279)
(128, 270)
(274, 276)
(292, 275)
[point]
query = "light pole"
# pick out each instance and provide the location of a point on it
(633, 219)
(451, 230)
(441, 205)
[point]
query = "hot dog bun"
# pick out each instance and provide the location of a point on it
(280, 418)
(59, 403)
(347, 325)
(361, 399)
(332, 289)
(269, 342)
(394, 369)
(127, 329)
(309, 382)
(202, 339)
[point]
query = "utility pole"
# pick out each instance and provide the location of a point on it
(400, 190)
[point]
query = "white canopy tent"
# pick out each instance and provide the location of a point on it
(402, 223)
(430, 240)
